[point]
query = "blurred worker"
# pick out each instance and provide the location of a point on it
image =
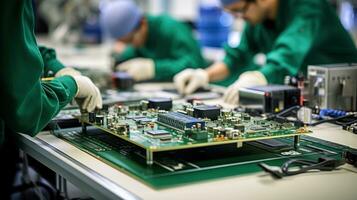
(158, 47)
(291, 33)
(27, 104)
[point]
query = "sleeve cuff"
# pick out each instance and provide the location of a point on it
(55, 65)
(69, 84)
(272, 75)
(228, 63)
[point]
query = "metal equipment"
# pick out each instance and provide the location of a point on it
(333, 86)
(270, 98)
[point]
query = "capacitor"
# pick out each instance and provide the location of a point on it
(110, 119)
(229, 133)
(105, 121)
(99, 119)
(239, 127)
(91, 117)
(246, 118)
(144, 104)
(189, 111)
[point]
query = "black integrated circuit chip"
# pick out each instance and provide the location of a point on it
(207, 111)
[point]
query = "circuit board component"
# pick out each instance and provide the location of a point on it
(159, 134)
(160, 103)
(207, 111)
(180, 121)
(185, 126)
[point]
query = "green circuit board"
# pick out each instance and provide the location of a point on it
(181, 167)
(184, 126)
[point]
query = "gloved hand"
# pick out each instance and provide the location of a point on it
(247, 79)
(67, 71)
(140, 69)
(189, 80)
(88, 95)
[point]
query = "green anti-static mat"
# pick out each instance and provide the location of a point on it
(188, 166)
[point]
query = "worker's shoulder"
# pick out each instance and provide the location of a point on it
(307, 4)
(165, 21)
(308, 9)
(168, 25)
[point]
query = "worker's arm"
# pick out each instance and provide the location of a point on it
(27, 104)
(189, 80)
(50, 61)
(292, 46)
(240, 56)
(218, 71)
(129, 53)
(185, 53)
(165, 69)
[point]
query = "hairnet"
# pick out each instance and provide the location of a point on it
(119, 18)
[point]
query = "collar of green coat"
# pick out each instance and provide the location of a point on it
(282, 14)
(152, 31)
(281, 20)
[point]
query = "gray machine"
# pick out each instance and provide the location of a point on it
(333, 86)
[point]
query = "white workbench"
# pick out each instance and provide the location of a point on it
(104, 182)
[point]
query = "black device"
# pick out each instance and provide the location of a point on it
(160, 103)
(270, 98)
(350, 157)
(122, 81)
(206, 111)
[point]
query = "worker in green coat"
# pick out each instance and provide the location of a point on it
(158, 47)
(27, 103)
(291, 33)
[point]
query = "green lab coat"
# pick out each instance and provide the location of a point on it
(306, 32)
(170, 44)
(26, 103)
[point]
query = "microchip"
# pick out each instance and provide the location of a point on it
(160, 103)
(179, 120)
(257, 128)
(145, 120)
(206, 111)
(142, 120)
(134, 117)
(159, 134)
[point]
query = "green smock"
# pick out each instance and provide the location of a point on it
(306, 32)
(27, 104)
(170, 44)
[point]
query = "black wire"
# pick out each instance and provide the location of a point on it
(322, 164)
(305, 166)
(281, 116)
(286, 111)
(330, 120)
(346, 123)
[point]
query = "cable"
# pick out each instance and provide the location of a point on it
(282, 116)
(287, 111)
(330, 120)
(304, 165)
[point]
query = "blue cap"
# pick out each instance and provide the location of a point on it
(228, 2)
(119, 18)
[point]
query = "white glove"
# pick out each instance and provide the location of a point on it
(189, 80)
(140, 69)
(67, 71)
(247, 79)
(88, 96)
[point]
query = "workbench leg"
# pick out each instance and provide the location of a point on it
(61, 185)
(297, 142)
(149, 157)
